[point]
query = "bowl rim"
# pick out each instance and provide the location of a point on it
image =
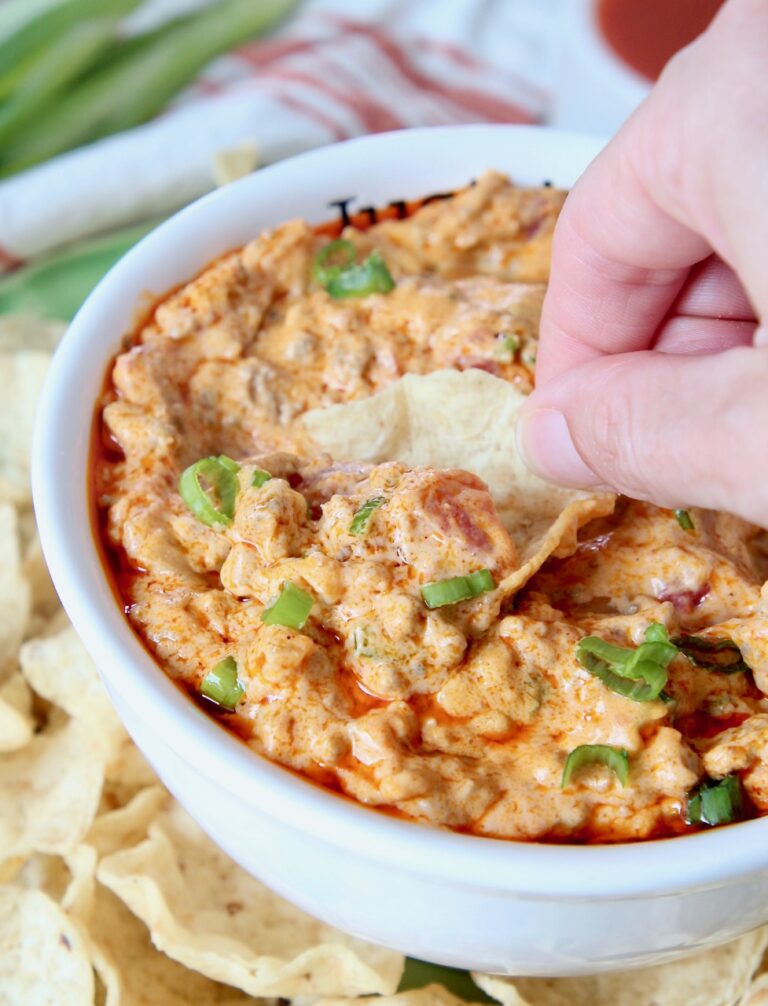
(666, 866)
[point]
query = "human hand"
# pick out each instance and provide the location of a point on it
(652, 375)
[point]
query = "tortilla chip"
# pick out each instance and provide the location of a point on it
(712, 978)
(430, 995)
(43, 957)
(16, 720)
(49, 790)
(60, 670)
(27, 331)
(14, 591)
(228, 926)
(9, 868)
(545, 537)
(134, 973)
(45, 600)
(757, 993)
(23, 377)
(131, 971)
(235, 162)
(45, 873)
(127, 826)
(463, 419)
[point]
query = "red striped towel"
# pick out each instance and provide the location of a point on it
(339, 69)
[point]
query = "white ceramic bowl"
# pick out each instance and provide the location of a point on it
(471, 902)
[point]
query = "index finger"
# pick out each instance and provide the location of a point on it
(619, 259)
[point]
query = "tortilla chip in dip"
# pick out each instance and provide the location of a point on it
(466, 420)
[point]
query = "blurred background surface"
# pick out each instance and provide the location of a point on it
(115, 113)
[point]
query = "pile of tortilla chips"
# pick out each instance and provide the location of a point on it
(110, 894)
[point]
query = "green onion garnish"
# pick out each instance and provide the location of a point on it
(333, 259)
(348, 279)
(221, 685)
(507, 346)
(362, 517)
(713, 803)
(615, 759)
(259, 477)
(291, 608)
(685, 520)
(457, 588)
(639, 674)
(220, 473)
(715, 654)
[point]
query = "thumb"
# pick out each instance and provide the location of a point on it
(676, 430)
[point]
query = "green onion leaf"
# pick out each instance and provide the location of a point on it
(220, 473)
(684, 519)
(656, 633)
(714, 803)
(221, 685)
(715, 654)
(137, 82)
(638, 689)
(371, 276)
(457, 588)
(346, 278)
(362, 517)
(259, 477)
(291, 608)
(507, 346)
(615, 759)
(332, 260)
(639, 674)
(63, 60)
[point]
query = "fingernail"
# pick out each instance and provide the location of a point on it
(760, 337)
(546, 446)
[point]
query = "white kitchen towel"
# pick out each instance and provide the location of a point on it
(337, 69)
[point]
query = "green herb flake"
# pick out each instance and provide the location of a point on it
(685, 520)
(362, 518)
(639, 674)
(616, 759)
(713, 803)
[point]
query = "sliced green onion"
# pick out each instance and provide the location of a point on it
(228, 463)
(347, 278)
(457, 588)
(714, 803)
(291, 608)
(638, 689)
(371, 276)
(715, 654)
(685, 520)
(639, 674)
(221, 685)
(259, 477)
(331, 260)
(362, 517)
(507, 346)
(221, 475)
(615, 759)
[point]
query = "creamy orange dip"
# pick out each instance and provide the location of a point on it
(461, 715)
